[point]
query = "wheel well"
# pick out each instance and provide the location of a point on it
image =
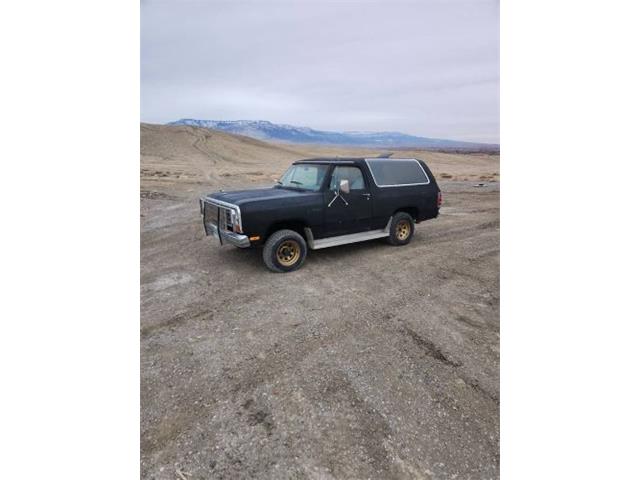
(413, 211)
(295, 225)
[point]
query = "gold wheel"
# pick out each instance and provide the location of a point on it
(403, 230)
(288, 253)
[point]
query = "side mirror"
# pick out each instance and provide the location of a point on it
(344, 186)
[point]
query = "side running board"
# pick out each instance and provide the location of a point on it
(344, 239)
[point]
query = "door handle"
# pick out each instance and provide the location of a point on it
(367, 195)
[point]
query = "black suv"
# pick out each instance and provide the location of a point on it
(324, 202)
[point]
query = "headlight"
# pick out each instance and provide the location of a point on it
(235, 221)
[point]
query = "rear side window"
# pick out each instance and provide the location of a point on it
(397, 172)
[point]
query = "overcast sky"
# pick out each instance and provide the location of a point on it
(428, 68)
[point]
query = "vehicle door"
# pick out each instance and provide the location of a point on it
(347, 209)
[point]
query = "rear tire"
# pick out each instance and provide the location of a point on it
(284, 251)
(402, 228)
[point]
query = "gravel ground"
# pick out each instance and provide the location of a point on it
(371, 361)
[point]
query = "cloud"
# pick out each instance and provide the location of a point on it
(428, 68)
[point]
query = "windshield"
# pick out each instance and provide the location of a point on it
(304, 177)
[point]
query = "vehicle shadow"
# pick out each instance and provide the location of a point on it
(249, 260)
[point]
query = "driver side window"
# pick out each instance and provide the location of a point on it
(353, 174)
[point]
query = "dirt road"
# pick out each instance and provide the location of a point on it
(371, 361)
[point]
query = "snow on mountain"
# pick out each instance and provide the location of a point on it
(264, 130)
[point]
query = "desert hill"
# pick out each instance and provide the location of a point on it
(197, 158)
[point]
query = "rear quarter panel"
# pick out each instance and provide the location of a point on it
(423, 199)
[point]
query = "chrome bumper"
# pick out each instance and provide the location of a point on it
(225, 236)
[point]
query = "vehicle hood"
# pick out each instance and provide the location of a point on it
(243, 197)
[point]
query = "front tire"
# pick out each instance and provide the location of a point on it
(284, 251)
(402, 229)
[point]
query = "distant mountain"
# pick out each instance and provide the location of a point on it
(263, 130)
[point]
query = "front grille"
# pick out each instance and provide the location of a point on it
(211, 216)
(227, 218)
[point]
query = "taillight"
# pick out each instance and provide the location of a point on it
(439, 199)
